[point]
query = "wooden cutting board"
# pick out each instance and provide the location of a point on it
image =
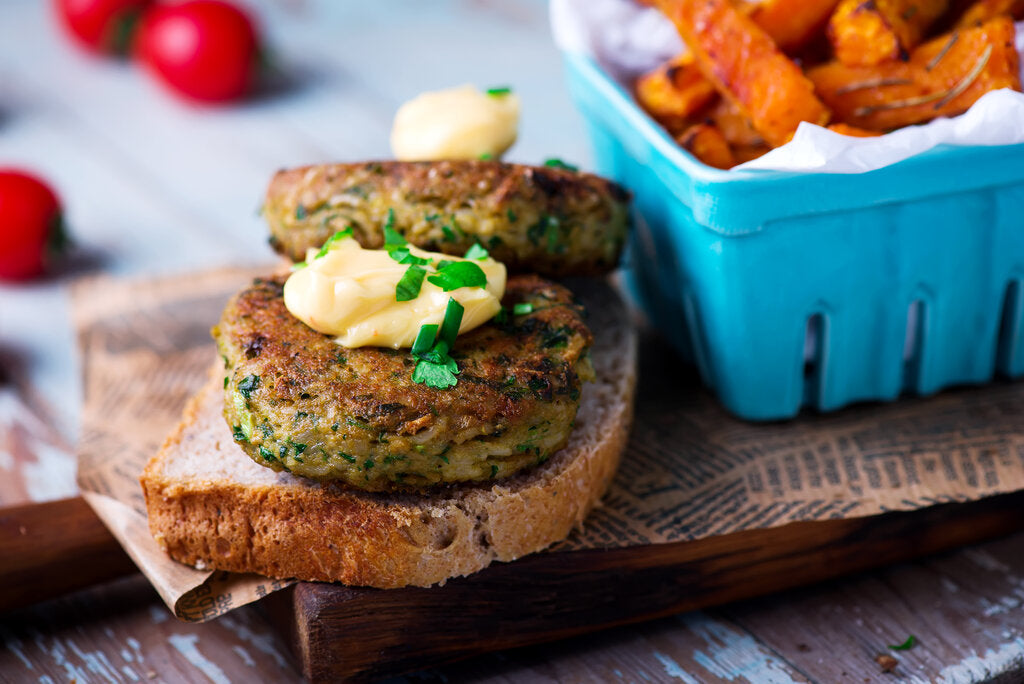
(340, 632)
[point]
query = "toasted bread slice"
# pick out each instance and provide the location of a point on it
(212, 507)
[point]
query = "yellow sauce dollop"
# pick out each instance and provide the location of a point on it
(457, 123)
(349, 292)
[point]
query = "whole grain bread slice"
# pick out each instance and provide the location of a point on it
(211, 506)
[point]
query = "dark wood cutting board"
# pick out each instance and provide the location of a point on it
(340, 632)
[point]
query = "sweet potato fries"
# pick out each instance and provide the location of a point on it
(755, 71)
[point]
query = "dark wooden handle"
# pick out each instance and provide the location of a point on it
(48, 549)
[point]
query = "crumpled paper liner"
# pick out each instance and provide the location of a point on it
(690, 471)
(146, 348)
(628, 39)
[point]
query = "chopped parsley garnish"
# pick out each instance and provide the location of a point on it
(486, 156)
(425, 339)
(499, 91)
(906, 645)
(404, 255)
(392, 238)
(248, 384)
(449, 234)
(522, 308)
(476, 252)
(452, 275)
(325, 248)
(452, 323)
(435, 367)
(396, 245)
(556, 163)
(267, 454)
(300, 212)
(340, 235)
(409, 286)
(494, 471)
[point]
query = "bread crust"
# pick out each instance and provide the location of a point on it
(210, 506)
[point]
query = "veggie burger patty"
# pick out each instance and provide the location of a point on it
(555, 221)
(297, 401)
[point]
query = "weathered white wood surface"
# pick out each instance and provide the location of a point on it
(155, 186)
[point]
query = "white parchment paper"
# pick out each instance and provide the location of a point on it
(628, 39)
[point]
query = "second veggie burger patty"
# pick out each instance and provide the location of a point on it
(298, 401)
(548, 220)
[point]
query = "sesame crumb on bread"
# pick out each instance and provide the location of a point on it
(211, 506)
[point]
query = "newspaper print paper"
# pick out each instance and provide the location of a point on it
(691, 470)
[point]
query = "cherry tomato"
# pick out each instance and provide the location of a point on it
(204, 50)
(101, 26)
(30, 225)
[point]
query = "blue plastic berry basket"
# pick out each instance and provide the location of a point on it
(736, 266)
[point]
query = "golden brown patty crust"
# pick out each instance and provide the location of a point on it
(297, 401)
(553, 221)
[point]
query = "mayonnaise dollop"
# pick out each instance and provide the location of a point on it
(349, 292)
(457, 123)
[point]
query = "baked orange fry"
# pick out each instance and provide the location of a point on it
(706, 143)
(792, 24)
(943, 77)
(870, 32)
(745, 153)
(852, 131)
(983, 10)
(747, 67)
(674, 92)
(733, 124)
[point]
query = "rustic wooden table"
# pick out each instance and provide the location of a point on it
(154, 186)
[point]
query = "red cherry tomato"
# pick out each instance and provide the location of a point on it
(30, 223)
(204, 50)
(101, 26)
